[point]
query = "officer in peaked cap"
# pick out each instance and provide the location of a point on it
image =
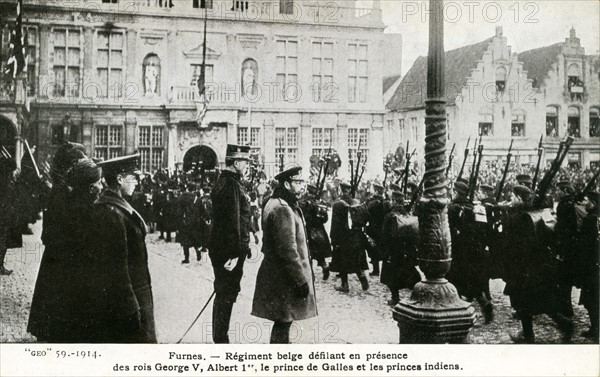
(525, 180)
(487, 194)
(461, 189)
(230, 236)
(121, 231)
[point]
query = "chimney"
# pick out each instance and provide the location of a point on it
(572, 34)
(498, 31)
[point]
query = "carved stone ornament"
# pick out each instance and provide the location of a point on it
(151, 38)
(191, 136)
(250, 41)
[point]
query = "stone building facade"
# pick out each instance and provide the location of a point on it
(501, 96)
(286, 77)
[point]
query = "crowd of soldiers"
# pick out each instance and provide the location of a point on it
(539, 237)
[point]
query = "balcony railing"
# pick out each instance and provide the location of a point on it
(189, 94)
(310, 12)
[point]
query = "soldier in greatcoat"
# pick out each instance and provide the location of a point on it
(230, 237)
(590, 264)
(7, 210)
(315, 214)
(189, 232)
(284, 284)
(377, 211)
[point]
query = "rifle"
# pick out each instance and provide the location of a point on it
(321, 185)
(359, 156)
(473, 183)
(450, 159)
(590, 184)
(462, 168)
(505, 172)
(537, 167)
(407, 171)
(281, 156)
(415, 196)
(362, 171)
(475, 149)
(386, 169)
(546, 181)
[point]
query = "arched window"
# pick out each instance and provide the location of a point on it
(595, 122)
(151, 74)
(518, 123)
(551, 121)
(500, 79)
(574, 122)
(575, 83)
(486, 122)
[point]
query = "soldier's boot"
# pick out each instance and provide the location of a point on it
(364, 281)
(162, 236)
(198, 254)
(222, 309)
(280, 333)
(526, 336)
(395, 298)
(345, 288)
(487, 308)
(593, 331)
(326, 272)
(375, 271)
(4, 271)
(566, 326)
(186, 255)
(168, 237)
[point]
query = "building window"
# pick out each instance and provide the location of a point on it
(249, 136)
(110, 1)
(573, 122)
(356, 137)
(322, 68)
(286, 144)
(108, 141)
(595, 122)
(67, 67)
(500, 79)
(402, 129)
(414, 129)
(322, 140)
(240, 6)
(486, 125)
(574, 82)
(286, 6)
(203, 4)
(518, 124)
(574, 160)
(109, 63)
(357, 72)
(208, 74)
(151, 148)
(551, 121)
(287, 70)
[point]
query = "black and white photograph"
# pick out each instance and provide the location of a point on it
(300, 172)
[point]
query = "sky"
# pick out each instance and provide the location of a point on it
(526, 24)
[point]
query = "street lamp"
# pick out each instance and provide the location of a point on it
(434, 313)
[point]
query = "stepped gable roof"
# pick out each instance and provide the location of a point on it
(412, 91)
(389, 81)
(537, 62)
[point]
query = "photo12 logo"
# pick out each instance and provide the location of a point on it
(471, 11)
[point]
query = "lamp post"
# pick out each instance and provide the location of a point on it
(434, 313)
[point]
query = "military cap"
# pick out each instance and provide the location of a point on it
(289, 174)
(523, 192)
(524, 178)
(593, 196)
(564, 183)
(353, 203)
(311, 188)
(83, 173)
(463, 180)
(411, 185)
(237, 152)
(378, 187)
(398, 171)
(395, 188)
(461, 188)
(345, 184)
(486, 188)
(121, 165)
(398, 195)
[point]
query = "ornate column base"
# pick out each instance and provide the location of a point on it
(434, 314)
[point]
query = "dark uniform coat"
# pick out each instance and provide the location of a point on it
(119, 242)
(590, 262)
(286, 265)
(190, 229)
(399, 241)
(349, 255)
(206, 214)
(230, 233)
(318, 239)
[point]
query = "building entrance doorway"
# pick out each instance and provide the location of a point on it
(199, 159)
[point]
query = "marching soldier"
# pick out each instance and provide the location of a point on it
(315, 214)
(590, 264)
(189, 231)
(377, 212)
(399, 238)
(230, 237)
(7, 210)
(206, 215)
(470, 260)
(339, 215)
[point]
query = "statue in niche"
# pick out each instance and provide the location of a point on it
(249, 77)
(151, 74)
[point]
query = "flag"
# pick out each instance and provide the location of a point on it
(202, 103)
(17, 59)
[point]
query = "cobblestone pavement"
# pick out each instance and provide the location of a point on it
(180, 291)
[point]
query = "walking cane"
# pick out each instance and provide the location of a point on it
(197, 317)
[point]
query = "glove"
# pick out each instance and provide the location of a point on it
(301, 291)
